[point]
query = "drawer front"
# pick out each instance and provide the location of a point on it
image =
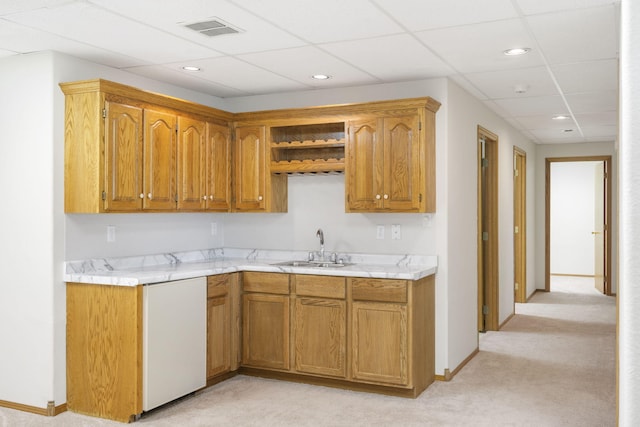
(320, 286)
(270, 283)
(386, 290)
(217, 286)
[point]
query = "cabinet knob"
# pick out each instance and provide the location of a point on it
(259, 198)
(204, 197)
(386, 196)
(211, 197)
(149, 196)
(377, 197)
(142, 195)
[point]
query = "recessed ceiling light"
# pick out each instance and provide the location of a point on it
(191, 68)
(517, 51)
(559, 117)
(320, 77)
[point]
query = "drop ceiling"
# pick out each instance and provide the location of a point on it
(572, 68)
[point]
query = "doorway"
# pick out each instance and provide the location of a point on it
(520, 225)
(488, 307)
(599, 234)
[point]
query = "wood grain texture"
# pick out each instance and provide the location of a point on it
(191, 164)
(218, 168)
(104, 350)
(389, 290)
(160, 145)
(320, 286)
(272, 283)
(265, 331)
(320, 336)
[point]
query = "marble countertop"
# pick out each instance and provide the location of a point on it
(149, 269)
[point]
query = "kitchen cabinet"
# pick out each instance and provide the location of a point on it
(223, 326)
(104, 350)
(391, 161)
(122, 154)
(392, 327)
(218, 168)
(265, 320)
(256, 189)
(320, 325)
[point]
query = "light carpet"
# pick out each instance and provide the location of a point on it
(553, 364)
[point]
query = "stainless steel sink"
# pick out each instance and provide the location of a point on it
(312, 264)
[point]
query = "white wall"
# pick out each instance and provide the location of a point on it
(572, 215)
(573, 150)
(629, 295)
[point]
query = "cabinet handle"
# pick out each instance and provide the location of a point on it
(149, 196)
(377, 197)
(142, 195)
(259, 198)
(386, 196)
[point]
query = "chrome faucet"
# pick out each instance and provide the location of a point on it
(320, 234)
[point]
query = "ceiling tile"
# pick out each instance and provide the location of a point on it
(480, 47)
(592, 102)
(531, 7)
(236, 74)
(517, 107)
(607, 118)
(545, 121)
(564, 36)
(325, 21)
(587, 76)
(465, 84)
(426, 15)
(301, 63)
(380, 57)
(503, 84)
(255, 34)
(551, 136)
(95, 27)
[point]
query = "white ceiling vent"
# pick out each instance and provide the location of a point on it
(212, 27)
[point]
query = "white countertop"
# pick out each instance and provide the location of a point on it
(149, 269)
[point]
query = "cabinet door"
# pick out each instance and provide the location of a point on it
(218, 335)
(159, 160)
(320, 336)
(265, 331)
(402, 172)
(191, 164)
(123, 157)
(250, 185)
(218, 168)
(379, 343)
(365, 167)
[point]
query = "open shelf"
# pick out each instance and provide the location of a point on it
(308, 148)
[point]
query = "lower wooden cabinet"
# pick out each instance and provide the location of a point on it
(223, 325)
(265, 320)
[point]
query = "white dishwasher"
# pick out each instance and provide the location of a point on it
(174, 340)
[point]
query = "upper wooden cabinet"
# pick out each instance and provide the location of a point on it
(256, 189)
(391, 162)
(128, 150)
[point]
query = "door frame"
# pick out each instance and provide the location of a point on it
(520, 221)
(488, 261)
(607, 216)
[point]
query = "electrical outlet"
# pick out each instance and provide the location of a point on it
(395, 232)
(214, 229)
(380, 232)
(111, 233)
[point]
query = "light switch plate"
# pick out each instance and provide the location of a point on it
(395, 232)
(380, 232)
(111, 233)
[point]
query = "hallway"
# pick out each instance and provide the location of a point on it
(553, 364)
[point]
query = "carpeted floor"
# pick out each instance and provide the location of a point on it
(553, 364)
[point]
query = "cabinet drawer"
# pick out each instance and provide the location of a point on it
(320, 286)
(387, 290)
(217, 286)
(271, 283)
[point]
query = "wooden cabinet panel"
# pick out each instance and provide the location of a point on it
(320, 286)
(251, 172)
(191, 163)
(380, 348)
(265, 331)
(159, 160)
(402, 163)
(364, 157)
(320, 336)
(272, 283)
(123, 157)
(218, 168)
(218, 335)
(104, 350)
(389, 290)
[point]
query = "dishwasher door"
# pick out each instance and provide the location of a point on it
(174, 340)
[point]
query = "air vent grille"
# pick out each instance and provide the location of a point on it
(212, 28)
